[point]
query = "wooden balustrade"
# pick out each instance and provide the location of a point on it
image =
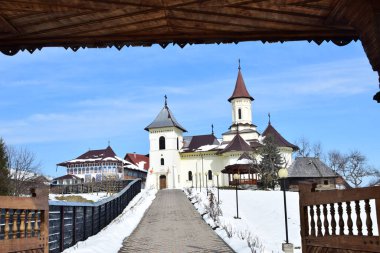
(340, 220)
(24, 223)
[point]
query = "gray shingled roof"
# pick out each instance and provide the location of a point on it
(165, 119)
(309, 167)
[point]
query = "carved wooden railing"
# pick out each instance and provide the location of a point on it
(340, 220)
(244, 181)
(24, 223)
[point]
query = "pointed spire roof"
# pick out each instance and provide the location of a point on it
(237, 144)
(278, 139)
(165, 118)
(240, 88)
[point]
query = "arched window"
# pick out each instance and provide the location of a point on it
(209, 175)
(162, 143)
(162, 161)
(190, 176)
(239, 113)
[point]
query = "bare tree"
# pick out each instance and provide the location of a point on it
(357, 168)
(337, 161)
(24, 171)
(317, 150)
(307, 149)
(352, 167)
(304, 147)
(376, 179)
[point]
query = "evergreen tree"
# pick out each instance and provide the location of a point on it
(4, 172)
(271, 162)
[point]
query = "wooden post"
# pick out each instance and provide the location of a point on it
(304, 220)
(62, 228)
(377, 203)
(92, 220)
(74, 224)
(84, 222)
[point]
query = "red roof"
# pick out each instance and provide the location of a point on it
(137, 158)
(100, 153)
(237, 144)
(202, 140)
(278, 139)
(240, 89)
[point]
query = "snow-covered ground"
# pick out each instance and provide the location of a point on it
(262, 216)
(109, 240)
(96, 196)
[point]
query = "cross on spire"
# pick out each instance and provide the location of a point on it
(212, 128)
(239, 65)
(166, 101)
(109, 143)
(269, 118)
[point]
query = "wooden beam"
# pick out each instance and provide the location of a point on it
(8, 26)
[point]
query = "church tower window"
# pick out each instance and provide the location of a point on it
(190, 178)
(162, 161)
(239, 113)
(209, 175)
(162, 143)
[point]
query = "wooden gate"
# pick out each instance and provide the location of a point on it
(340, 221)
(162, 182)
(24, 223)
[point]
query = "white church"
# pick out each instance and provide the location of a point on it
(178, 161)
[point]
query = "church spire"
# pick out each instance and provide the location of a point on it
(240, 88)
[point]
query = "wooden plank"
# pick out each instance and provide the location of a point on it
(25, 203)
(15, 245)
(334, 196)
(358, 243)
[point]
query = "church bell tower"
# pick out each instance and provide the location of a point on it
(165, 141)
(241, 105)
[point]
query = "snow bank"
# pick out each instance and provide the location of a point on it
(89, 196)
(111, 237)
(262, 218)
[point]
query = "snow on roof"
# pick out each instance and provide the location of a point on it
(138, 159)
(244, 161)
(206, 147)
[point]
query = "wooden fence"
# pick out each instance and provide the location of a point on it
(102, 186)
(24, 223)
(72, 222)
(344, 221)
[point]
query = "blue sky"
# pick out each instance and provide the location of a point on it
(59, 103)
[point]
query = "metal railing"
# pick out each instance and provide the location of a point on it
(70, 222)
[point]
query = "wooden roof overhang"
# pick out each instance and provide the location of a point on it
(239, 169)
(34, 24)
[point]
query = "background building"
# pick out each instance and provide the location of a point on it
(102, 164)
(178, 161)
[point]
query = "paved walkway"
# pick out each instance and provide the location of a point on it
(171, 224)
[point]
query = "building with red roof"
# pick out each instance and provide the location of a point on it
(102, 164)
(176, 160)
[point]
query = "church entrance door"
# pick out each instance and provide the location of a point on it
(162, 182)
